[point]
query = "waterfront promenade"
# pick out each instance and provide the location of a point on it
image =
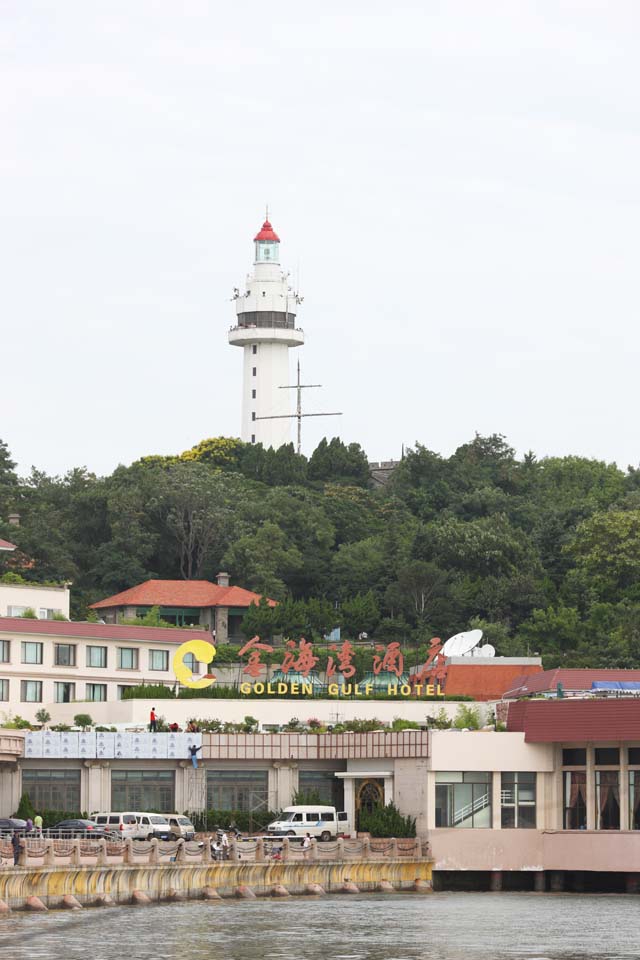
(98, 873)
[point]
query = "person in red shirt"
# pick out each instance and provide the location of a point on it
(153, 724)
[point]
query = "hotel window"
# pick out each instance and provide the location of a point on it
(243, 790)
(254, 349)
(253, 394)
(96, 692)
(31, 652)
(5, 651)
(321, 786)
(575, 799)
(96, 656)
(4, 689)
(64, 692)
(607, 800)
(31, 691)
(121, 688)
(634, 799)
(143, 790)
(253, 438)
(158, 659)
(16, 611)
(65, 655)
(255, 370)
(127, 658)
(253, 415)
(574, 757)
(46, 613)
(518, 801)
(463, 800)
(52, 789)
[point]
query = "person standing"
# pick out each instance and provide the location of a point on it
(193, 752)
(37, 822)
(224, 843)
(153, 721)
(29, 825)
(306, 846)
(16, 843)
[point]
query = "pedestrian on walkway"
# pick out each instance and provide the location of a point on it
(306, 846)
(16, 843)
(37, 823)
(153, 722)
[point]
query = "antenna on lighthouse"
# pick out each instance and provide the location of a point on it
(299, 387)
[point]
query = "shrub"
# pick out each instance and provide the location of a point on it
(83, 720)
(387, 822)
(25, 809)
(43, 716)
(29, 614)
(150, 691)
(467, 718)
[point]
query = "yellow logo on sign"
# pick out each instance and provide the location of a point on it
(204, 652)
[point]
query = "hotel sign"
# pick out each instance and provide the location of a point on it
(300, 660)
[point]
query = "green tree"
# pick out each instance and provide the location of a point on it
(606, 551)
(83, 720)
(360, 614)
(259, 620)
(335, 462)
(43, 717)
(262, 560)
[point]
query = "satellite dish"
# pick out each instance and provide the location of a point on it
(486, 651)
(462, 643)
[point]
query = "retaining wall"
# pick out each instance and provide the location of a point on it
(51, 884)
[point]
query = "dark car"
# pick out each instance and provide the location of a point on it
(79, 828)
(10, 825)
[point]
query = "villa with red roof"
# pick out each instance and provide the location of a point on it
(219, 607)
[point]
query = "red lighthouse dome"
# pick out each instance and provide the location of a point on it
(267, 233)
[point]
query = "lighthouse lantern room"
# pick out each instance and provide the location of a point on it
(265, 328)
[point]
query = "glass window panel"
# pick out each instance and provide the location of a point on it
(323, 786)
(508, 817)
(607, 757)
(242, 790)
(158, 659)
(5, 651)
(467, 804)
(31, 691)
(65, 655)
(634, 755)
(575, 799)
(53, 789)
(607, 800)
(96, 656)
(574, 757)
(152, 790)
(64, 692)
(4, 689)
(31, 652)
(127, 658)
(96, 691)
(634, 799)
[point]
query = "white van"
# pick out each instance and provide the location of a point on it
(181, 826)
(325, 823)
(124, 825)
(138, 826)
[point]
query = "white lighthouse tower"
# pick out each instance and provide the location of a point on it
(266, 329)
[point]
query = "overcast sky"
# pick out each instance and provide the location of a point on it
(456, 184)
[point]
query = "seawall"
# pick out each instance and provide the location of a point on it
(160, 881)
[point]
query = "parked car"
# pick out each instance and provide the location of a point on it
(10, 825)
(152, 825)
(79, 828)
(325, 823)
(181, 826)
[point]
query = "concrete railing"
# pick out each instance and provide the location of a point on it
(11, 747)
(36, 852)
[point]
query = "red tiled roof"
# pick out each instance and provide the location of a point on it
(581, 721)
(485, 681)
(180, 593)
(5, 545)
(100, 631)
(571, 680)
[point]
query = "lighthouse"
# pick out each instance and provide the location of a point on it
(265, 328)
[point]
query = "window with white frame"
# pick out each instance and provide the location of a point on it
(463, 799)
(127, 658)
(31, 652)
(5, 651)
(518, 801)
(4, 689)
(158, 659)
(14, 611)
(31, 691)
